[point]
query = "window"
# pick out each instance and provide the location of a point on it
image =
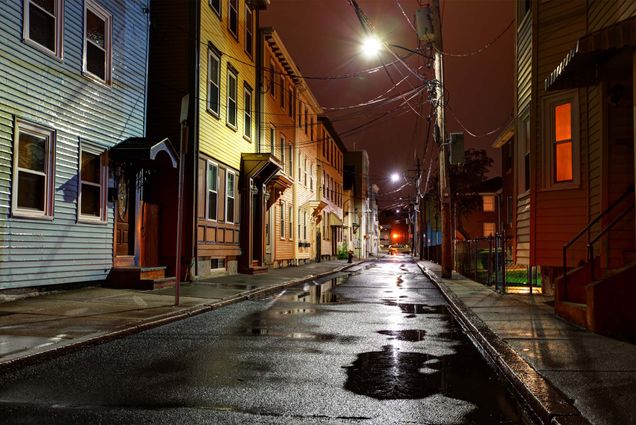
(97, 41)
(231, 98)
(282, 91)
(217, 263)
(229, 197)
(216, 6)
(272, 84)
(249, 30)
(92, 185)
(305, 172)
(300, 161)
(214, 78)
(282, 220)
(312, 128)
(43, 25)
(299, 229)
(488, 203)
(291, 223)
(291, 159)
(290, 102)
(311, 176)
(489, 229)
(563, 142)
(560, 153)
(282, 151)
(304, 225)
(212, 189)
(34, 172)
(232, 12)
(306, 123)
(272, 140)
(300, 112)
(247, 112)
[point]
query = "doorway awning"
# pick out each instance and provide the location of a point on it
(334, 220)
(316, 206)
(579, 67)
(260, 167)
(143, 150)
(276, 186)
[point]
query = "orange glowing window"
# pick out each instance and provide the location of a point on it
(563, 143)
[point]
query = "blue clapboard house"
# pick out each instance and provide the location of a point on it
(73, 86)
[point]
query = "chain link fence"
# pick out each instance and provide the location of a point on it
(489, 261)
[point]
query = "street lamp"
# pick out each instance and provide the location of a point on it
(371, 46)
(395, 177)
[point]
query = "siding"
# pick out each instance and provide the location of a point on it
(559, 213)
(523, 230)
(603, 13)
(41, 89)
(524, 63)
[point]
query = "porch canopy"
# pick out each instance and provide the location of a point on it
(143, 150)
(258, 166)
(579, 67)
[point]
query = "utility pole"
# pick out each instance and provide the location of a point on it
(417, 233)
(440, 136)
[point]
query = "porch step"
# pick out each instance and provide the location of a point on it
(150, 284)
(573, 312)
(136, 277)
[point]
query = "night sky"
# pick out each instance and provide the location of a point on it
(323, 36)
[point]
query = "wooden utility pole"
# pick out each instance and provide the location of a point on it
(440, 136)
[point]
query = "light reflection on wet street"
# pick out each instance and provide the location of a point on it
(376, 345)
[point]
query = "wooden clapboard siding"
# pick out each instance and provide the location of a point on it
(41, 89)
(559, 213)
(216, 138)
(603, 13)
(523, 229)
(524, 62)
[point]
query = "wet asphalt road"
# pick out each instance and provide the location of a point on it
(372, 346)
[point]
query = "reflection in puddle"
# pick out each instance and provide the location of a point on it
(320, 292)
(411, 335)
(392, 374)
(417, 308)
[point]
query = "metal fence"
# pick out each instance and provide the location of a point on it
(489, 261)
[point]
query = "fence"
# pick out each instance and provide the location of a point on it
(489, 261)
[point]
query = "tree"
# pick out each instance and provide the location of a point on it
(465, 181)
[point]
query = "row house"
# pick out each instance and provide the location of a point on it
(73, 151)
(356, 180)
(573, 150)
(330, 170)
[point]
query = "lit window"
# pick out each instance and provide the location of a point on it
(489, 203)
(249, 30)
(97, 41)
(33, 171)
(216, 6)
(43, 23)
(489, 229)
(229, 197)
(212, 189)
(232, 6)
(247, 112)
(563, 142)
(214, 78)
(92, 185)
(231, 98)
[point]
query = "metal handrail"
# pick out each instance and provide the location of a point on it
(629, 191)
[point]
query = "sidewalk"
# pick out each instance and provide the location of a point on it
(32, 329)
(566, 374)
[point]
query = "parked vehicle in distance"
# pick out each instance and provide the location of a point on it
(399, 249)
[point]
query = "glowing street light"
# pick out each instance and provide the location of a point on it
(395, 177)
(371, 46)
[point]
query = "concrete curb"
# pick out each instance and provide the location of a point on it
(545, 402)
(43, 354)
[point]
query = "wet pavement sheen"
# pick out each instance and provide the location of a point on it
(376, 345)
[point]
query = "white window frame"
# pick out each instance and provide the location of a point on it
(59, 29)
(283, 222)
(290, 210)
(103, 184)
(219, 10)
(231, 74)
(213, 56)
(229, 172)
(108, 42)
(247, 112)
(208, 190)
(548, 155)
(49, 170)
(311, 176)
(249, 30)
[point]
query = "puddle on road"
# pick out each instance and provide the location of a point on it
(410, 335)
(411, 309)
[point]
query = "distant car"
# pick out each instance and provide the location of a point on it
(399, 248)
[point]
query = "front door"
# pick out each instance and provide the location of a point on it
(124, 223)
